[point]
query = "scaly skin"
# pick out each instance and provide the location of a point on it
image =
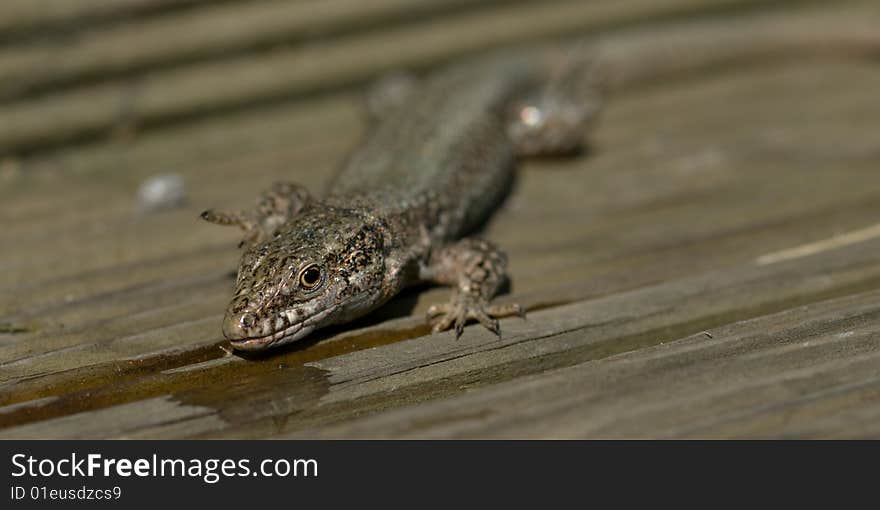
(439, 161)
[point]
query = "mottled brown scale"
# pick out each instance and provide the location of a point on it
(437, 163)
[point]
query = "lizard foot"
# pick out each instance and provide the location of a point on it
(463, 308)
(279, 204)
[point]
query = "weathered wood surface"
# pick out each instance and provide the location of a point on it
(735, 193)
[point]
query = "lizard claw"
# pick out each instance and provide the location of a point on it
(463, 308)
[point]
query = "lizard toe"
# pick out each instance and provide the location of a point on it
(443, 322)
(460, 310)
(499, 311)
(438, 310)
(484, 316)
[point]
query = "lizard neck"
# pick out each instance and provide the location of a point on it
(410, 226)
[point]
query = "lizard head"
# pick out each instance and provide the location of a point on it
(325, 266)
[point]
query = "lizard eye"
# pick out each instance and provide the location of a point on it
(310, 276)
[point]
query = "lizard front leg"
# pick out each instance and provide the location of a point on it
(477, 269)
(276, 205)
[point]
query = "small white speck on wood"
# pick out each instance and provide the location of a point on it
(161, 192)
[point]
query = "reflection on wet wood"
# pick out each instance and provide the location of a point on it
(704, 270)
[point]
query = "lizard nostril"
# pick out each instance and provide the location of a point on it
(237, 326)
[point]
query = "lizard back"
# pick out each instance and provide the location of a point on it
(442, 158)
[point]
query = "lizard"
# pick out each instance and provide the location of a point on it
(439, 160)
(401, 209)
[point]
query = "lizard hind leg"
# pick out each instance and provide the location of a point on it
(476, 269)
(553, 119)
(278, 204)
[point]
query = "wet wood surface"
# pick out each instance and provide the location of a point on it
(709, 267)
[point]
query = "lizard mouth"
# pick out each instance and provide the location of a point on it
(289, 334)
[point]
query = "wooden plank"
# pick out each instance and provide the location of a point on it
(215, 30)
(124, 421)
(34, 209)
(281, 394)
(774, 376)
(23, 18)
(168, 96)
